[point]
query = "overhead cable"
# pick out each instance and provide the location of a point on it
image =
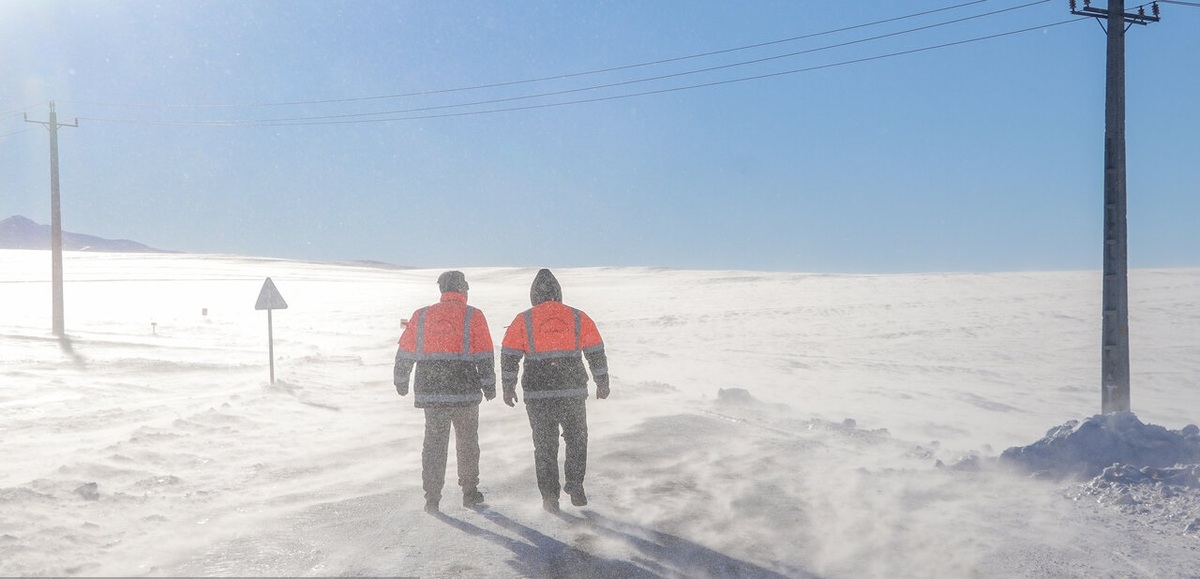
(548, 78)
(341, 119)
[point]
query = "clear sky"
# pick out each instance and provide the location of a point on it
(774, 135)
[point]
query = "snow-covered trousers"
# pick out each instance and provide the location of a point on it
(438, 421)
(546, 418)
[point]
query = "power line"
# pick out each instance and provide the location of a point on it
(719, 83)
(318, 121)
(561, 76)
(5, 135)
(18, 111)
(360, 117)
(678, 74)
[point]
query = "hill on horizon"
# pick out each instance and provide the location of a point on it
(18, 232)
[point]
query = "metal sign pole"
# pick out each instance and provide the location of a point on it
(269, 299)
(271, 345)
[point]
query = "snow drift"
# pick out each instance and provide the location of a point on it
(1087, 448)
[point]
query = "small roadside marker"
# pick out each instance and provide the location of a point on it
(270, 299)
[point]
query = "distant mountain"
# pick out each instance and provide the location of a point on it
(19, 232)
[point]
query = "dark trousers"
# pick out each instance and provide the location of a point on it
(438, 421)
(549, 418)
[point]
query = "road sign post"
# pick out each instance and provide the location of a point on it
(269, 299)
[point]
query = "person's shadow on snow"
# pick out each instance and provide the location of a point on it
(674, 556)
(545, 556)
(663, 555)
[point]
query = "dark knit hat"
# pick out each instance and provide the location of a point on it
(545, 288)
(453, 281)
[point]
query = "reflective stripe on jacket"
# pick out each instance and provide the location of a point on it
(451, 348)
(553, 339)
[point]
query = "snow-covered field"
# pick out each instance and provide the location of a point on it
(761, 425)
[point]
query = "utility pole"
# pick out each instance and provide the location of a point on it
(1114, 355)
(55, 222)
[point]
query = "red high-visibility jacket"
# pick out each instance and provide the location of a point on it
(451, 348)
(553, 338)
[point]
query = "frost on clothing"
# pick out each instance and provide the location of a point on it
(553, 339)
(452, 350)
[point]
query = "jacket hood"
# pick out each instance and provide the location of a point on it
(545, 288)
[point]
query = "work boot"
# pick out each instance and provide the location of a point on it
(472, 498)
(551, 505)
(431, 506)
(578, 497)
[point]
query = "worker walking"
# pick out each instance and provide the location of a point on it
(449, 345)
(554, 339)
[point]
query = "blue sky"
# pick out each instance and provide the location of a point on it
(341, 130)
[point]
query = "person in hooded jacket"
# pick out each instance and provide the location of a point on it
(554, 340)
(451, 348)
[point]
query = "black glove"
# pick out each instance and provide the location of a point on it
(602, 391)
(402, 388)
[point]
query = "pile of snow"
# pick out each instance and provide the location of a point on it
(1088, 448)
(1147, 472)
(1164, 499)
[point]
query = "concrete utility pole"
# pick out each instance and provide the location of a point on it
(1114, 356)
(55, 222)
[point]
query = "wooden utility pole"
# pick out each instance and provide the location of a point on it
(1114, 356)
(56, 267)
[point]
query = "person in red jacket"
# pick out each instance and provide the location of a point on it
(554, 339)
(451, 348)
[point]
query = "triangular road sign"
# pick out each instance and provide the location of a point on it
(269, 298)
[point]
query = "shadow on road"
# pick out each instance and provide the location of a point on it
(661, 554)
(540, 555)
(68, 348)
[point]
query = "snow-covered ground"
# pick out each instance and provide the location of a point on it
(761, 425)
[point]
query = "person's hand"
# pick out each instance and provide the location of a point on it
(402, 388)
(489, 394)
(602, 391)
(510, 397)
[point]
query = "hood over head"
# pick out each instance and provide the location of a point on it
(453, 281)
(545, 288)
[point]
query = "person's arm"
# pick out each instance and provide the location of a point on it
(401, 371)
(593, 351)
(598, 362)
(405, 356)
(511, 352)
(484, 354)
